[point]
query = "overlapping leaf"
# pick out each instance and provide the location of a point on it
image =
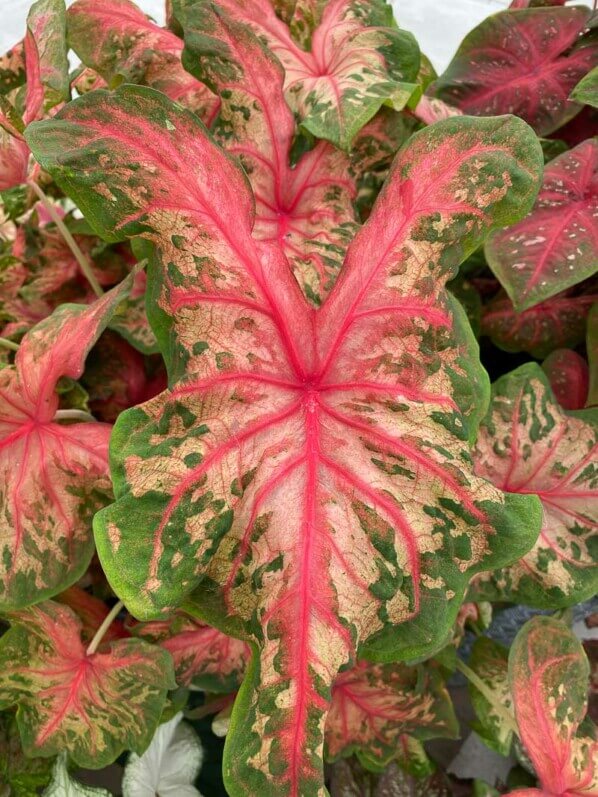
(307, 210)
(548, 673)
(489, 660)
(214, 661)
(557, 323)
(555, 246)
(525, 62)
(118, 41)
(53, 473)
(357, 62)
(592, 349)
(91, 705)
(586, 90)
(310, 468)
(529, 444)
(349, 779)
(568, 374)
(374, 706)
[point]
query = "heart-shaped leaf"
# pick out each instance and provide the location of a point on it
(555, 246)
(307, 210)
(529, 444)
(568, 374)
(374, 706)
(118, 41)
(91, 705)
(548, 673)
(525, 62)
(169, 766)
(310, 468)
(357, 62)
(53, 473)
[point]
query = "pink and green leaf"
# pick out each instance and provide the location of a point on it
(489, 660)
(568, 374)
(308, 470)
(306, 210)
(202, 655)
(118, 41)
(93, 706)
(586, 90)
(46, 59)
(529, 445)
(357, 62)
(53, 476)
(12, 68)
(559, 322)
(548, 673)
(555, 246)
(376, 706)
(525, 62)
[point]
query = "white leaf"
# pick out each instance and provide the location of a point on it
(62, 785)
(169, 765)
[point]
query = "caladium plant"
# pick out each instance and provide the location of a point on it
(250, 477)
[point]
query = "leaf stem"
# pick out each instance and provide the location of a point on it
(99, 634)
(503, 712)
(66, 234)
(9, 344)
(73, 415)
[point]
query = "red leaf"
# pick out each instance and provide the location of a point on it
(569, 378)
(523, 62)
(53, 476)
(555, 246)
(117, 40)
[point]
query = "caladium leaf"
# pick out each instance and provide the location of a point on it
(568, 374)
(522, 62)
(130, 319)
(358, 61)
(46, 60)
(586, 90)
(63, 785)
(349, 779)
(489, 660)
(214, 661)
(529, 444)
(559, 322)
(295, 467)
(548, 673)
(91, 705)
(53, 475)
(430, 109)
(592, 349)
(555, 246)
(374, 706)
(12, 68)
(169, 766)
(307, 210)
(118, 41)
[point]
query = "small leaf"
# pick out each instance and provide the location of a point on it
(489, 660)
(12, 69)
(548, 673)
(53, 476)
(557, 323)
(46, 60)
(586, 90)
(529, 444)
(568, 374)
(169, 766)
(374, 706)
(524, 62)
(357, 63)
(92, 706)
(63, 785)
(555, 246)
(118, 41)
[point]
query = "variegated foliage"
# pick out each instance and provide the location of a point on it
(358, 61)
(548, 674)
(529, 445)
(310, 470)
(118, 41)
(568, 374)
(555, 246)
(93, 705)
(525, 62)
(489, 661)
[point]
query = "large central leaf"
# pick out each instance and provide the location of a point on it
(310, 468)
